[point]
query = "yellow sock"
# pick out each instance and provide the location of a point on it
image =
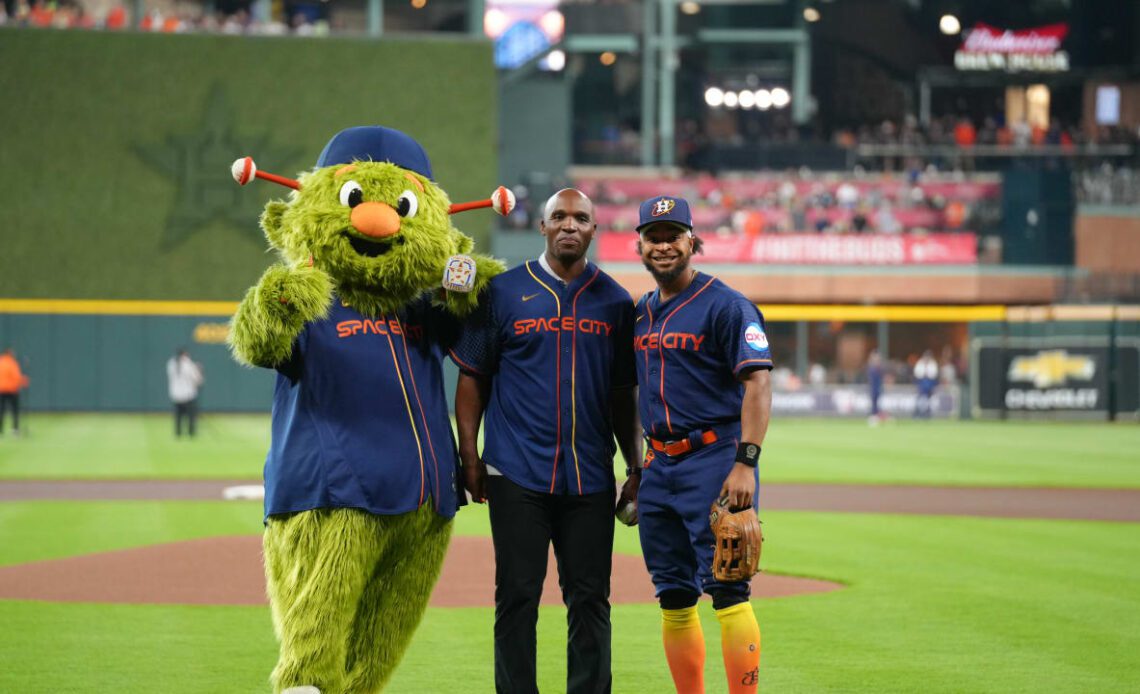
(740, 643)
(684, 649)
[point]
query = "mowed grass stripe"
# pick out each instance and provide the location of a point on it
(967, 453)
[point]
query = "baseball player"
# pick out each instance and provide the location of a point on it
(703, 365)
(549, 364)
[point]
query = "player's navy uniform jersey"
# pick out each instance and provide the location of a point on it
(360, 418)
(555, 352)
(689, 352)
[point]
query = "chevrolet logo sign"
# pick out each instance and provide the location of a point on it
(1051, 368)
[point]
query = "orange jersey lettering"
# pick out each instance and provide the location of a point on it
(687, 341)
(555, 324)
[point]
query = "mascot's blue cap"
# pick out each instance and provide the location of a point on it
(375, 143)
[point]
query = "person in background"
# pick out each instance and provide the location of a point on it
(184, 378)
(926, 378)
(875, 383)
(12, 381)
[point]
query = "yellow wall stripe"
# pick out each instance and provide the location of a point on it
(772, 312)
(119, 308)
(894, 314)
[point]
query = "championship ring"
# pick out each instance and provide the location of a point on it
(459, 274)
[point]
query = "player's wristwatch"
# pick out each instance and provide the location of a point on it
(631, 470)
(748, 454)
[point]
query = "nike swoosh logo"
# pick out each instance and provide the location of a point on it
(639, 318)
(531, 296)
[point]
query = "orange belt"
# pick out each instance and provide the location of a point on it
(693, 442)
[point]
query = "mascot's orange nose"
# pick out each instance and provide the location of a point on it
(375, 219)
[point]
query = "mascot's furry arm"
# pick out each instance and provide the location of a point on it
(275, 310)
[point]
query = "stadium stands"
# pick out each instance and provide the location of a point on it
(802, 202)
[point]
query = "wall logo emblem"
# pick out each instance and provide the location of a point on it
(198, 162)
(1051, 368)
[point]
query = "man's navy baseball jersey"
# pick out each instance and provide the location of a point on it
(689, 353)
(555, 351)
(360, 417)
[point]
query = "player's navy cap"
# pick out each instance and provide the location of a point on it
(375, 143)
(665, 208)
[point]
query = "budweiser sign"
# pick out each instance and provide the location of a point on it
(1037, 50)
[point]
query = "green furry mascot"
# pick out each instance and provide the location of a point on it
(360, 479)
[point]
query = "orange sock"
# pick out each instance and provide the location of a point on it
(740, 643)
(684, 649)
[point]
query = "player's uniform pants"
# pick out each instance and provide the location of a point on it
(524, 523)
(189, 412)
(673, 503)
(10, 400)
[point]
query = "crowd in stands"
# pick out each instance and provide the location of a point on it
(184, 18)
(798, 201)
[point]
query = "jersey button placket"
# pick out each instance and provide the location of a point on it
(566, 404)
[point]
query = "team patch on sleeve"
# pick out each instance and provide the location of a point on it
(755, 337)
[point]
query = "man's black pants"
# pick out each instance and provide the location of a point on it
(10, 400)
(189, 412)
(523, 525)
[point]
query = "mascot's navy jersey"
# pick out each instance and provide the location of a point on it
(689, 352)
(555, 352)
(360, 418)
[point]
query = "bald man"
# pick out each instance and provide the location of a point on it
(547, 366)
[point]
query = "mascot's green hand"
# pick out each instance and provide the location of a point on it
(275, 310)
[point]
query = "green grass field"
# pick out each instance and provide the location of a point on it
(932, 604)
(1051, 454)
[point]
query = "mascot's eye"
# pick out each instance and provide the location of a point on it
(351, 194)
(408, 204)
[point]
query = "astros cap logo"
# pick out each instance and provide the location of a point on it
(663, 206)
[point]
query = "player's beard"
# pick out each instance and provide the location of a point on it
(667, 276)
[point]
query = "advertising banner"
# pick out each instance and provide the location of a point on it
(815, 249)
(986, 48)
(1074, 377)
(855, 401)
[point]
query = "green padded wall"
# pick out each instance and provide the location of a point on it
(116, 148)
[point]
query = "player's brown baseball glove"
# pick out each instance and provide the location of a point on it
(738, 540)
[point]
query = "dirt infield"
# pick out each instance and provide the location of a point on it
(228, 571)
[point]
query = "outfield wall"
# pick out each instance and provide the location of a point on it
(107, 355)
(117, 148)
(1057, 362)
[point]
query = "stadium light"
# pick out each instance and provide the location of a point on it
(747, 99)
(731, 100)
(763, 99)
(553, 24)
(780, 97)
(949, 25)
(811, 14)
(495, 22)
(555, 61)
(714, 97)
(690, 7)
